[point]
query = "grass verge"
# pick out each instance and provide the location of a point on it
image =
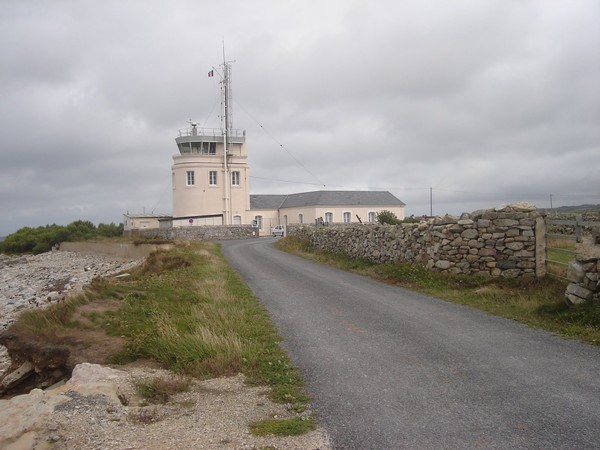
(187, 309)
(535, 302)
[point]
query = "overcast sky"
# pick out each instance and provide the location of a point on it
(485, 101)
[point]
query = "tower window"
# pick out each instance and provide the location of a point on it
(191, 178)
(209, 148)
(212, 177)
(235, 178)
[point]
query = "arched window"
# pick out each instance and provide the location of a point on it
(237, 220)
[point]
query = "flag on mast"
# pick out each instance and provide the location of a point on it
(211, 73)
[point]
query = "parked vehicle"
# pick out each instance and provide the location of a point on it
(277, 230)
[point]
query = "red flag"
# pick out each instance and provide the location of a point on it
(211, 73)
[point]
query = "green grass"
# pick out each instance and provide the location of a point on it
(561, 255)
(283, 427)
(187, 309)
(536, 302)
(560, 252)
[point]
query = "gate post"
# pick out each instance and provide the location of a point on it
(540, 247)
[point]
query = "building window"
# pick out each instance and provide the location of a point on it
(235, 178)
(371, 217)
(300, 218)
(209, 148)
(191, 179)
(237, 220)
(212, 177)
(347, 217)
(258, 220)
(329, 217)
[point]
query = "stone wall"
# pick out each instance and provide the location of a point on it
(125, 250)
(206, 233)
(508, 241)
(583, 274)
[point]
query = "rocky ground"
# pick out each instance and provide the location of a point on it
(98, 408)
(36, 281)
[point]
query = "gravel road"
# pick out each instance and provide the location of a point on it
(390, 368)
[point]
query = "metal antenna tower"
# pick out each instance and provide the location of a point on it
(227, 126)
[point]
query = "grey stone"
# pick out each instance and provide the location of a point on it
(470, 233)
(507, 264)
(514, 245)
(15, 377)
(573, 299)
(506, 222)
(511, 273)
(579, 291)
(442, 264)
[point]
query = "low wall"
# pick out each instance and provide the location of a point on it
(118, 250)
(205, 232)
(508, 241)
(583, 274)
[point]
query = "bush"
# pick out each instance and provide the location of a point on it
(387, 217)
(42, 239)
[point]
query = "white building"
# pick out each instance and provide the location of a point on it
(211, 186)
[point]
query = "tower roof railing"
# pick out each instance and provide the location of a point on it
(210, 132)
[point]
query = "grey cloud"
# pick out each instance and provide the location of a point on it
(485, 101)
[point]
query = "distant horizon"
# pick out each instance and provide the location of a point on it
(567, 208)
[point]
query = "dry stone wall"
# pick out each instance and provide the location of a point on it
(583, 275)
(507, 241)
(206, 233)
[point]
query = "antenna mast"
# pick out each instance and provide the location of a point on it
(226, 125)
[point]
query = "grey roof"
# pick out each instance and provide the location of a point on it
(267, 201)
(325, 198)
(147, 216)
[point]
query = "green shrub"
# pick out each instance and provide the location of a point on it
(387, 217)
(42, 239)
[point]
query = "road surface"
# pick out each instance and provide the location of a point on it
(389, 368)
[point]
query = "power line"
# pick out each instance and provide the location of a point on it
(281, 145)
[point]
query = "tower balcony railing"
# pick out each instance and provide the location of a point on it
(210, 132)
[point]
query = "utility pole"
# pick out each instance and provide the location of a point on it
(430, 202)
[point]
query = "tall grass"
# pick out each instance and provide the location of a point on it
(535, 302)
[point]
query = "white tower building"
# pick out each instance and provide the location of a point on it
(211, 173)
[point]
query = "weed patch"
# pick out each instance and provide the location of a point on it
(283, 427)
(160, 390)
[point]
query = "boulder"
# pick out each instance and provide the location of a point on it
(579, 291)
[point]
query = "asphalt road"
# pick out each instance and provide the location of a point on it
(389, 368)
